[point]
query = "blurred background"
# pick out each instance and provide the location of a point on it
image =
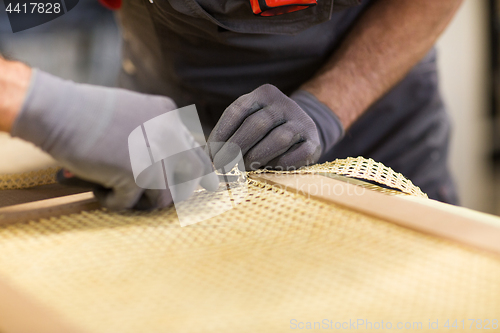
(468, 73)
(84, 45)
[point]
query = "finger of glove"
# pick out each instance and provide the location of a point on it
(229, 122)
(301, 154)
(183, 174)
(234, 116)
(155, 199)
(255, 127)
(275, 144)
(119, 198)
(210, 180)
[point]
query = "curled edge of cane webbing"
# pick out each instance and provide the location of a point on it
(360, 168)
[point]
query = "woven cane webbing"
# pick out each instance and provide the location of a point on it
(28, 179)
(276, 257)
(362, 168)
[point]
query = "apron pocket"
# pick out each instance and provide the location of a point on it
(237, 16)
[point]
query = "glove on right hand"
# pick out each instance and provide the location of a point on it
(86, 128)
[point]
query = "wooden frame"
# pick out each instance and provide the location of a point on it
(455, 223)
(70, 204)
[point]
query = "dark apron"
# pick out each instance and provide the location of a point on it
(209, 53)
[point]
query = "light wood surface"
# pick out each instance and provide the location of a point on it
(20, 156)
(14, 307)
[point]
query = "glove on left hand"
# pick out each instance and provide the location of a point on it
(88, 128)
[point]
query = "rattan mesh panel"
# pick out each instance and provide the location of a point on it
(362, 168)
(28, 179)
(277, 256)
(359, 167)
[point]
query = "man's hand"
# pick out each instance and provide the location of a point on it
(14, 83)
(87, 128)
(271, 130)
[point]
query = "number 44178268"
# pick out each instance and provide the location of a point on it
(34, 7)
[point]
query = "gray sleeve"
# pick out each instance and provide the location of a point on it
(328, 124)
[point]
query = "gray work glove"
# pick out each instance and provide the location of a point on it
(274, 131)
(87, 129)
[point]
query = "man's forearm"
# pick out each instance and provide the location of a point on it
(14, 82)
(386, 42)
